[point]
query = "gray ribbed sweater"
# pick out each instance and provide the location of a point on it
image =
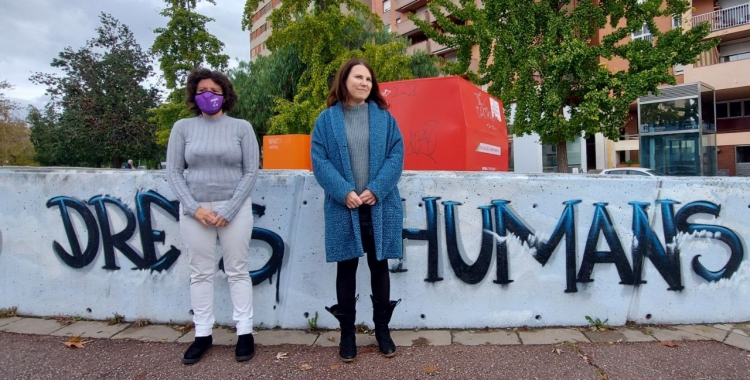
(357, 126)
(222, 155)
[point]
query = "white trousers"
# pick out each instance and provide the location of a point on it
(235, 245)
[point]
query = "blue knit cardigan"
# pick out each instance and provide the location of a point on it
(333, 171)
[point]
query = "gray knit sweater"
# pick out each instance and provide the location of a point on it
(222, 158)
(357, 126)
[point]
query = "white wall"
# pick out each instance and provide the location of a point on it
(527, 154)
(38, 282)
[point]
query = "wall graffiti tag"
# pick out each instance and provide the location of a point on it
(99, 229)
(498, 222)
(645, 245)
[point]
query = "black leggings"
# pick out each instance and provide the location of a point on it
(346, 271)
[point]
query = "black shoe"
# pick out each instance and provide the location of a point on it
(197, 349)
(381, 316)
(245, 347)
(348, 344)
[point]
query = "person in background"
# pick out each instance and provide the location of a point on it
(357, 157)
(129, 165)
(214, 195)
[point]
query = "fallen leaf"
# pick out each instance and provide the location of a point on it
(282, 355)
(420, 342)
(335, 366)
(557, 351)
(305, 367)
(75, 342)
(367, 350)
(585, 359)
(431, 369)
(331, 339)
(668, 343)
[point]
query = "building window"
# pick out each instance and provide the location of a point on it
(743, 154)
(398, 20)
(678, 69)
(642, 34)
(735, 57)
(733, 109)
(386, 5)
(676, 21)
(388, 27)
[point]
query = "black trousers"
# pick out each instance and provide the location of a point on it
(346, 271)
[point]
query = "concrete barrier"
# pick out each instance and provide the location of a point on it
(480, 249)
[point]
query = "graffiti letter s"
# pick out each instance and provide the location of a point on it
(723, 234)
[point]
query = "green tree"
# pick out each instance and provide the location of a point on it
(98, 108)
(186, 43)
(15, 146)
(325, 35)
(182, 45)
(542, 56)
(260, 82)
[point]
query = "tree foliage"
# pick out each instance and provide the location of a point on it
(324, 36)
(260, 82)
(186, 43)
(15, 146)
(97, 112)
(543, 56)
(182, 45)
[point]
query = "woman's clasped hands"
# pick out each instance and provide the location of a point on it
(210, 218)
(353, 200)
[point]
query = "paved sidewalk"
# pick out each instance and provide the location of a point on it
(737, 335)
(32, 348)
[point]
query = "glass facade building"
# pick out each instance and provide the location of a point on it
(677, 130)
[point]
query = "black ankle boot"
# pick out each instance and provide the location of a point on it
(197, 349)
(348, 345)
(381, 316)
(245, 347)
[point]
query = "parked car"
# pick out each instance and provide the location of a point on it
(631, 171)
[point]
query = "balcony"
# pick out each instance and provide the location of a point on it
(721, 76)
(436, 48)
(725, 18)
(407, 27)
(419, 46)
(404, 6)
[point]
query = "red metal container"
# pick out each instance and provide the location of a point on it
(448, 123)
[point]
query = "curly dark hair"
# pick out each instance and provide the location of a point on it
(227, 90)
(339, 92)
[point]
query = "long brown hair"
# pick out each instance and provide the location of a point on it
(227, 90)
(339, 92)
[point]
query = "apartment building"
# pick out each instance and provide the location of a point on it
(720, 113)
(395, 17)
(262, 24)
(261, 28)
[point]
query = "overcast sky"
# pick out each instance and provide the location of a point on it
(33, 32)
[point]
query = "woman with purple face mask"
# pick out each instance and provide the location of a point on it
(214, 193)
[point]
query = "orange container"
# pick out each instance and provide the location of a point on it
(448, 123)
(286, 152)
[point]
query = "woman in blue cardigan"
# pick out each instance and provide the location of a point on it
(357, 157)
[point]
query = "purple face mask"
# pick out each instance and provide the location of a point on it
(209, 103)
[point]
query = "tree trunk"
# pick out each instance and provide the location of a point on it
(562, 157)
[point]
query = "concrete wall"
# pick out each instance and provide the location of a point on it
(646, 249)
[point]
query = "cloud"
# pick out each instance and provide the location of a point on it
(35, 31)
